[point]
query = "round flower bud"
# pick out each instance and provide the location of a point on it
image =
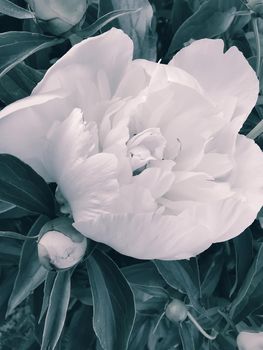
(59, 16)
(176, 311)
(250, 341)
(256, 6)
(60, 246)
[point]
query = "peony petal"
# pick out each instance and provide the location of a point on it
(86, 179)
(102, 59)
(178, 110)
(215, 164)
(225, 77)
(197, 187)
(147, 236)
(229, 217)
(25, 123)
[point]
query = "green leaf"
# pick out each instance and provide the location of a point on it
(15, 235)
(140, 333)
(135, 274)
(9, 246)
(5, 206)
(180, 275)
(10, 9)
(10, 250)
(22, 186)
(57, 310)
(17, 46)
(208, 22)
(113, 302)
(49, 282)
(137, 25)
(187, 338)
(103, 21)
(243, 245)
(30, 274)
(18, 83)
(80, 334)
(212, 267)
(180, 12)
(251, 282)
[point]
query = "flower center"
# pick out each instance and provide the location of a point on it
(144, 147)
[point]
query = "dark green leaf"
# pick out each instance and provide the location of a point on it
(252, 280)
(243, 245)
(22, 186)
(14, 235)
(136, 274)
(10, 250)
(10, 9)
(57, 310)
(113, 302)
(179, 275)
(49, 282)
(17, 46)
(5, 206)
(187, 337)
(31, 274)
(208, 22)
(180, 12)
(140, 333)
(137, 25)
(103, 21)
(80, 334)
(18, 83)
(213, 266)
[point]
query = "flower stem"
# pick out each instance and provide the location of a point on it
(201, 330)
(258, 46)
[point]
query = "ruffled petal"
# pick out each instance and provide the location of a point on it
(226, 77)
(230, 217)
(86, 179)
(148, 236)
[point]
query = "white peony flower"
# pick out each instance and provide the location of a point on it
(147, 157)
(250, 341)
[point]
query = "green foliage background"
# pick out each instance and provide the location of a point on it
(110, 301)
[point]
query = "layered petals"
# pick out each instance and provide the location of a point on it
(148, 236)
(146, 157)
(226, 78)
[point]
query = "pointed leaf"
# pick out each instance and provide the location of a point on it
(10, 9)
(30, 274)
(49, 282)
(80, 337)
(251, 282)
(179, 275)
(22, 186)
(103, 21)
(15, 47)
(18, 83)
(57, 310)
(113, 302)
(208, 22)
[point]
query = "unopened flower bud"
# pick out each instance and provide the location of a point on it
(256, 6)
(59, 16)
(176, 311)
(60, 246)
(250, 341)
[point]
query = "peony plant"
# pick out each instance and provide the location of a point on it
(147, 157)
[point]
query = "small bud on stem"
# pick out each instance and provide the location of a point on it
(60, 246)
